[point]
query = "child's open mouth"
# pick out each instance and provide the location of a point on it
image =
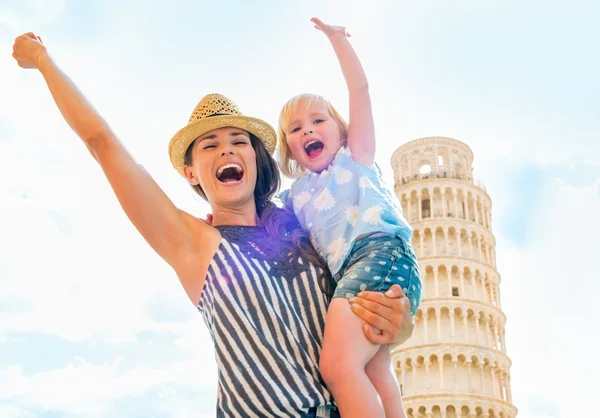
(313, 148)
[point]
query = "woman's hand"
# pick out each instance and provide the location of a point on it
(389, 313)
(28, 50)
(329, 30)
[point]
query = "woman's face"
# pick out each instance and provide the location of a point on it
(224, 165)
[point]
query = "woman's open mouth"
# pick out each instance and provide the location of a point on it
(230, 173)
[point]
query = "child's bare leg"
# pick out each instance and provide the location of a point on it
(346, 352)
(381, 376)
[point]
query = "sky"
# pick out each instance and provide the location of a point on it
(93, 323)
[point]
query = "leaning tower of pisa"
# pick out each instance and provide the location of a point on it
(455, 365)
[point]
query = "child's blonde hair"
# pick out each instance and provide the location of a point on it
(288, 165)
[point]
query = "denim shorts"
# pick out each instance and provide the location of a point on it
(327, 411)
(375, 264)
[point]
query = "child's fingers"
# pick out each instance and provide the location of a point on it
(317, 22)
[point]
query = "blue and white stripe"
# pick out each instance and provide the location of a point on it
(267, 332)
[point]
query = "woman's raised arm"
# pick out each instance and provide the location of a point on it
(175, 235)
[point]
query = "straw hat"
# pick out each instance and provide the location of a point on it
(213, 112)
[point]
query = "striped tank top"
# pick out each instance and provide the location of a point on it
(266, 316)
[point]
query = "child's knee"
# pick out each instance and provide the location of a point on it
(380, 365)
(327, 366)
(333, 367)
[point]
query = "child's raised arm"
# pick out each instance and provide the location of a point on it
(361, 129)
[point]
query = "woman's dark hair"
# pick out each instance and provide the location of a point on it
(280, 223)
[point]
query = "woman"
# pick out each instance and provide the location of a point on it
(252, 273)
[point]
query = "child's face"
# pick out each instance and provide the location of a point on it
(313, 136)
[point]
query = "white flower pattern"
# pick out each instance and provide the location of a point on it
(337, 250)
(324, 201)
(300, 200)
(372, 215)
(342, 175)
(352, 214)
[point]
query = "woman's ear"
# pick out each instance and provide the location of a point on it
(191, 176)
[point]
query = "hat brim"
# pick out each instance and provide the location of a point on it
(184, 137)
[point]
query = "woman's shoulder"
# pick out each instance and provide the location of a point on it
(194, 260)
(206, 234)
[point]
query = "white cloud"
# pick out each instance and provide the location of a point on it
(92, 390)
(549, 293)
(15, 14)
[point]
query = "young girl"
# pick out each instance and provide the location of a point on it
(355, 223)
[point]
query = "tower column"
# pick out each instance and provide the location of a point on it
(485, 293)
(441, 363)
(455, 203)
(425, 333)
(446, 243)
(445, 204)
(483, 386)
(439, 325)
(469, 382)
(402, 368)
(455, 366)
(478, 329)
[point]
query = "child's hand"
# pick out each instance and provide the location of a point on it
(329, 30)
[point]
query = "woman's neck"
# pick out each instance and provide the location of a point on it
(242, 216)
